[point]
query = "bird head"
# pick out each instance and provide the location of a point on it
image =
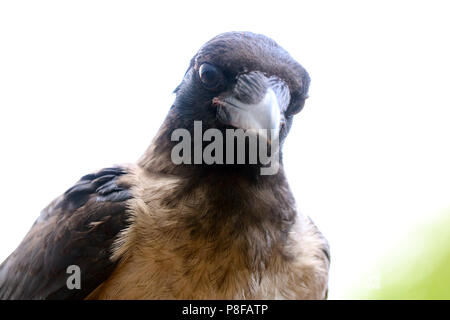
(240, 80)
(244, 80)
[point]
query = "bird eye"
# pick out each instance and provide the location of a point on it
(210, 76)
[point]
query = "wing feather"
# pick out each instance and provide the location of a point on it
(78, 228)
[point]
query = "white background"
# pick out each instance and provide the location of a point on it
(86, 84)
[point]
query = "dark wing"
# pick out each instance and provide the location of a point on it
(77, 228)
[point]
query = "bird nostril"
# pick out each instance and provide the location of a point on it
(251, 87)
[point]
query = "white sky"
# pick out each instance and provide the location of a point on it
(86, 84)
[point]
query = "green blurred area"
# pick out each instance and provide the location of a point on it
(419, 268)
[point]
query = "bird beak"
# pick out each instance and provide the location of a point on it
(256, 103)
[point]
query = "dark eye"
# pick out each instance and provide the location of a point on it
(210, 76)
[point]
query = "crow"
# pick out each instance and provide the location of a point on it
(202, 214)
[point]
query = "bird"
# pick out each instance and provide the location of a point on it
(173, 226)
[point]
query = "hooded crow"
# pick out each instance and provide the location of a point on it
(203, 214)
